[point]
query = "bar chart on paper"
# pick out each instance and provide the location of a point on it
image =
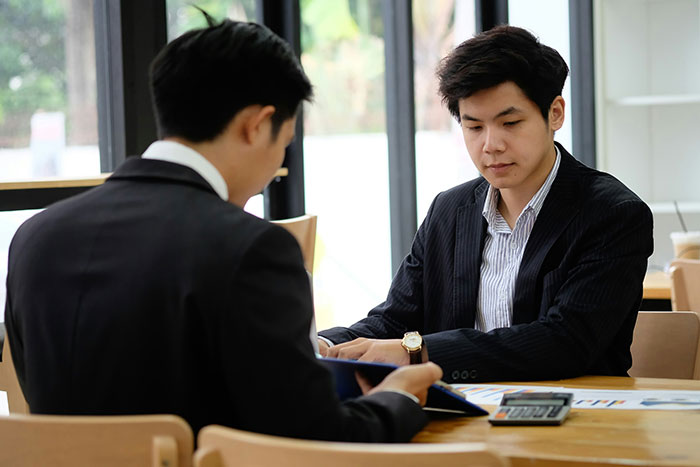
(491, 394)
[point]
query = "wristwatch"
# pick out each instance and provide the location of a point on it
(413, 343)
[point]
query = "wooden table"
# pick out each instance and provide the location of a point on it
(588, 436)
(657, 286)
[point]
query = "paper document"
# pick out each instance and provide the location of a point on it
(491, 394)
(4, 407)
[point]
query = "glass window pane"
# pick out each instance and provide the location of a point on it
(48, 92)
(183, 16)
(442, 160)
(552, 29)
(346, 156)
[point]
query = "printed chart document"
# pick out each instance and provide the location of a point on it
(491, 394)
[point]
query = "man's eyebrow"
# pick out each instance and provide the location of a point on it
(509, 111)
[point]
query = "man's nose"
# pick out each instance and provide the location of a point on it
(493, 142)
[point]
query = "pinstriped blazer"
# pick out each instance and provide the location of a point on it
(576, 296)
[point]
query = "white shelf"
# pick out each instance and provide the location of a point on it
(667, 208)
(670, 99)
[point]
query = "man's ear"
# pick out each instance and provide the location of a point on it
(556, 113)
(256, 122)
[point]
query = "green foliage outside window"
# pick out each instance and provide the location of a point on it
(343, 55)
(32, 64)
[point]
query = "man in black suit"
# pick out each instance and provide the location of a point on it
(157, 293)
(535, 269)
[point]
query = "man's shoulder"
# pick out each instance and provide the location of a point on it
(601, 188)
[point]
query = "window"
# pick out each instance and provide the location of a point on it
(552, 29)
(48, 103)
(442, 160)
(346, 156)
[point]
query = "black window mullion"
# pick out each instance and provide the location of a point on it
(490, 13)
(128, 35)
(400, 126)
(582, 81)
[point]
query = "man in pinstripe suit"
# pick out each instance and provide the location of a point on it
(535, 269)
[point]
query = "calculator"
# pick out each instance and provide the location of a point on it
(532, 408)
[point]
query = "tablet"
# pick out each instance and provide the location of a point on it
(441, 396)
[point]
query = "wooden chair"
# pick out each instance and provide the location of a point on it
(8, 379)
(304, 230)
(226, 447)
(666, 345)
(134, 440)
(685, 284)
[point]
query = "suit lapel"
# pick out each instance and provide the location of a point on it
(470, 234)
(559, 208)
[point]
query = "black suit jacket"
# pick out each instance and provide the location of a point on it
(576, 295)
(150, 294)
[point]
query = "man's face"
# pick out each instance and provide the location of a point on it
(508, 140)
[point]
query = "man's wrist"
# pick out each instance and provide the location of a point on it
(328, 342)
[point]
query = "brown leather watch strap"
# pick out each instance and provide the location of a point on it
(416, 356)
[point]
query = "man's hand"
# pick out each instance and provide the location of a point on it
(323, 348)
(414, 379)
(373, 350)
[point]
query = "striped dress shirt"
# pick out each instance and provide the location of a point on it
(503, 252)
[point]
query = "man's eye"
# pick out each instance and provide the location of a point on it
(473, 128)
(512, 123)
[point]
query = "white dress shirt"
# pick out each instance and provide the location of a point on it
(177, 153)
(503, 252)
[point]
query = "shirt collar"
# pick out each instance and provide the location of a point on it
(535, 203)
(177, 153)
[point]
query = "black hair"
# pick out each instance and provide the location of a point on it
(202, 79)
(501, 54)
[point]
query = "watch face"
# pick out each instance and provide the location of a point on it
(412, 342)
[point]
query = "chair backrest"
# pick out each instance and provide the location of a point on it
(666, 345)
(304, 230)
(223, 447)
(56, 440)
(685, 284)
(8, 380)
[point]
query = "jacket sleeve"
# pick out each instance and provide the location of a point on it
(279, 386)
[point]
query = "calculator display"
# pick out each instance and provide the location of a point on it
(534, 402)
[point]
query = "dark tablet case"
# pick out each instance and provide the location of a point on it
(347, 387)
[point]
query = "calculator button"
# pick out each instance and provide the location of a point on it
(501, 414)
(541, 411)
(554, 412)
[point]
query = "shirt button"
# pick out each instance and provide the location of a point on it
(502, 295)
(513, 246)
